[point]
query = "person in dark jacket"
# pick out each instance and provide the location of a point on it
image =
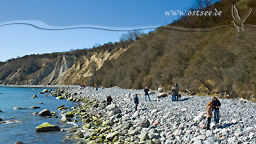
(109, 100)
(216, 109)
(146, 90)
(175, 92)
(136, 101)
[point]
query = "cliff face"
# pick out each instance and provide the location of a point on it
(59, 69)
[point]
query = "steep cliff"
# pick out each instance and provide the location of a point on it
(61, 68)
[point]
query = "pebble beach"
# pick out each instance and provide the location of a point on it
(160, 120)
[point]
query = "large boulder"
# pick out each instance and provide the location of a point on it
(161, 95)
(46, 127)
(44, 112)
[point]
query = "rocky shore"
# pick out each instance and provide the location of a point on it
(157, 121)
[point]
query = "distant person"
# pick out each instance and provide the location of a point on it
(109, 100)
(136, 101)
(216, 108)
(96, 86)
(175, 92)
(209, 114)
(146, 90)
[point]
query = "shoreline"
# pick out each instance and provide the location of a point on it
(40, 86)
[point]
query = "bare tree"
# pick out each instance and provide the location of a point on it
(130, 36)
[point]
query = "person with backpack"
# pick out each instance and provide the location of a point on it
(136, 101)
(209, 114)
(146, 90)
(216, 108)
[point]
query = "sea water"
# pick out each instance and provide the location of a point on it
(25, 129)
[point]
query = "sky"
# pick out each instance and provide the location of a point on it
(20, 40)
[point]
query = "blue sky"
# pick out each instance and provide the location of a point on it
(18, 40)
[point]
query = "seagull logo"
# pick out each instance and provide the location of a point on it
(237, 20)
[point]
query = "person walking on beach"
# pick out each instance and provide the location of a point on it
(146, 90)
(96, 86)
(209, 114)
(216, 108)
(136, 101)
(175, 92)
(109, 100)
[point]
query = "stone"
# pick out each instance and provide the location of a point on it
(133, 131)
(18, 108)
(107, 123)
(197, 142)
(117, 111)
(60, 97)
(251, 135)
(200, 137)
(160, 89)
(1, 119)
(73, 124)
(223, 131)
(35, 107)
(34, 96)
(208, 133)
(156, 122)
(19, 142)
(62, 107)
(144, 123)
(156, 141)
(234, 121)
(161, 95)
(248, 129)
(127, 125)
(177, 132)
(184, 109)
(212, 140)
(136, 114)
(64, 119)
(231, 140)
(46, 127)
(144, 136)
(199, 117)
(69, 115)
(44, 112)
(153, 111)
(111, 107)
(78, 134)
(111, 136)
